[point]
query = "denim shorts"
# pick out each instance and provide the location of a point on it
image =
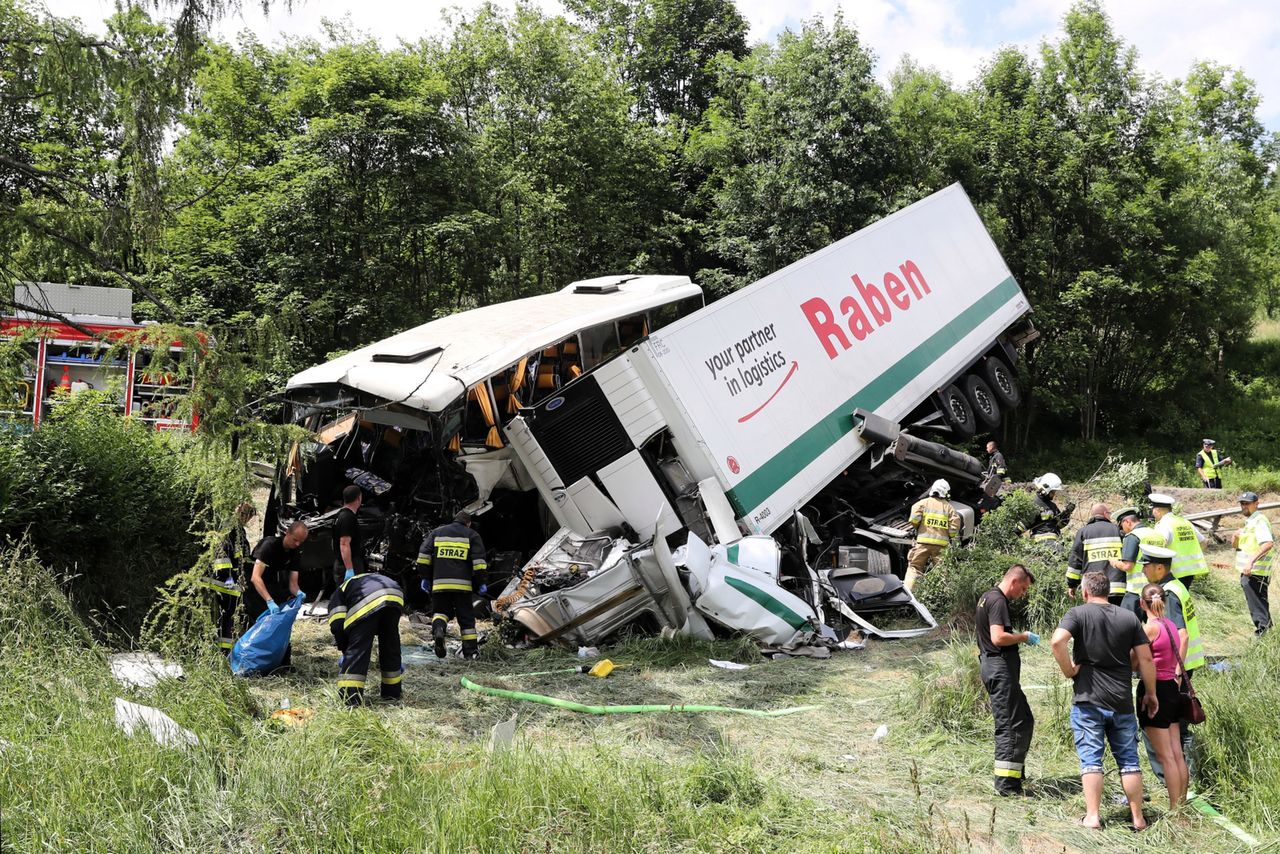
(1094, 724)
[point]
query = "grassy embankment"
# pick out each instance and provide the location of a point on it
(418, 777)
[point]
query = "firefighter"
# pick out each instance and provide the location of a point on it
(451, 564)
(230, 565)
(1136, 533)
(937, 524)
(1047, 526)
(1095, 546)
(1181, 536)
(995, 462)
(1001, 669)
(1253, 544)
(367, 605)
(1208, 462)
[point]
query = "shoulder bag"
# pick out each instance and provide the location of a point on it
(1191, 711)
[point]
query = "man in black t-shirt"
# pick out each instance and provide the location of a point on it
(1107, 642)
(348, 544)
(1001, 669)
(275, 576)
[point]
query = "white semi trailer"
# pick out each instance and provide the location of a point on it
(775, 422)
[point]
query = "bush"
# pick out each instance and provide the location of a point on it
(110, 505)
(951, 588)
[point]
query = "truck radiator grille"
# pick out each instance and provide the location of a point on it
(582, 433)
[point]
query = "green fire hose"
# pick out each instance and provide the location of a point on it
(571, 706)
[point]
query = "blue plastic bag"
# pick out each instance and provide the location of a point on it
(261, 649)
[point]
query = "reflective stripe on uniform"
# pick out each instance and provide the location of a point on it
(454, 549)
(1101, 548)
(442, 617)
(392, 678)
(479, 566)
(336, 614)
(451, 585)
(1073, 574)
(1044, 535)
(372, 602)
(224, 587)
(1118, 587)
(226, 643)
(424, 560)
(466, 636)
(929, 540)
(1008, 769)
(222, 563)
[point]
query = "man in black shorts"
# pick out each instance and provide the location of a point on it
(348, 544)
(275, 576)
(1001, 668)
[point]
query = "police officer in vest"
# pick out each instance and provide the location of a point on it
(1181, 609)
(1135, 533)
(365, 606)
(1049, 520)
(1096, 544)
(1254, 556)
(1208, 463)
(1001, 670)
(1181, 536)
(937, 524)
(452, 566)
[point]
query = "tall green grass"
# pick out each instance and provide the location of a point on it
(346, 781)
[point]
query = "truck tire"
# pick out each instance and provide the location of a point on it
(986, 409)
(958, 412)
(1003, 381)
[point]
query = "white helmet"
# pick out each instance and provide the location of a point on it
(1048, 482)
(940, 489)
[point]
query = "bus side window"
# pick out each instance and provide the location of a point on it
(598, 343)
(672, 311)
(631, 329)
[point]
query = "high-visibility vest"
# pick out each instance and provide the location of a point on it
(1210, 466)
(1137, 579)
(1251, 540)
(936, 520)
(1195, 644)
(1180, 535)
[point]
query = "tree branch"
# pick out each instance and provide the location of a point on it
(53, 315)
(101, 262)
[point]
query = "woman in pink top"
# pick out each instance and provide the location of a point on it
(1163, 728)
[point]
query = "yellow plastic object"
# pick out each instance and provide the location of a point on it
(291, 717)
(601, 669)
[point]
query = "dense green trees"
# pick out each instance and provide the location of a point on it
(344, 190)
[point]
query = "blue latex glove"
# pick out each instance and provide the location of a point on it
(299, 598)
(351, 573)
(484, 588)
(272, 607)
(1033, 639)
(424, 586)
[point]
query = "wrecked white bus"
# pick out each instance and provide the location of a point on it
(418, 419)
(753, 464)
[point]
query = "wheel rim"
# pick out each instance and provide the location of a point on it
(1002, 380)
(959, 411)
(984, 402)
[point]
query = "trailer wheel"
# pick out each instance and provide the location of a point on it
(958, 412)
(985, 408)
(1002, 380)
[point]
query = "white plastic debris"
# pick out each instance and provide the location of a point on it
(502, 734)
(588, 652)
(132, 717)
(882, 732)
(142, 669)
(726, 665)
(851, 644)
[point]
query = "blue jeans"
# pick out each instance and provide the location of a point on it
(1094, 725)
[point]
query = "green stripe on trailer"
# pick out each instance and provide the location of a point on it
(774, 607)
(756, 488)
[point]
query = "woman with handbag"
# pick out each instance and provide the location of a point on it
(1163, 729)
